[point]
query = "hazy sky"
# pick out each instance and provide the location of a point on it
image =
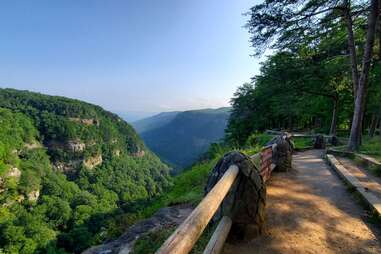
(128, 55)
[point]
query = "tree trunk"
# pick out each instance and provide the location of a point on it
(373, 125)
(360, 98)
(351, 46)
(333, 128)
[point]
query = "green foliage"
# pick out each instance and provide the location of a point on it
(257, 139)
(69, 208)
(302, 143)
(151, 242)
(294, 91)
(372, 146)
(188, 186)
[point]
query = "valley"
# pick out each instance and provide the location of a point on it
(181, 138)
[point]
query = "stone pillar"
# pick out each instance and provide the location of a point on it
(282, 153)
(245, 202)
(319, 142)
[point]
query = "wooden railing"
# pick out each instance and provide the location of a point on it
(187, 234)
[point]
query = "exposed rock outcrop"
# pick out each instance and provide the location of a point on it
(140, 153)
(32, 146)
(92, 162)
(33, 195)
(20, 198)
(116, 152)
(75, 146)
(165, 217)
(66, 167)
(14, 172)
(2, 187)
(85, 121)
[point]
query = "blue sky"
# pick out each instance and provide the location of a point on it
(128, 55)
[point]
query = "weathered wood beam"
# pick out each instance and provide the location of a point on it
(217, 241)
(186, 235)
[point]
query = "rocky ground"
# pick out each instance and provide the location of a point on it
(164, 218)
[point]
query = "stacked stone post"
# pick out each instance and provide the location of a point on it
(245, 202)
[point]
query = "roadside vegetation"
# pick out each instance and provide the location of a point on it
(188, 188)
(301, 143)
(372, 147)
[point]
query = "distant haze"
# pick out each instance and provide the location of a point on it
(128, 56)
(133, 116)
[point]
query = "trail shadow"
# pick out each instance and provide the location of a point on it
(309, 210)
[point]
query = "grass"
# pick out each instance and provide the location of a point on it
(302, 143)
(151, 242)
(188, 188)
(372, 147)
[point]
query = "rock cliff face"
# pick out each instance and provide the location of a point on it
(92, 162)
(66, 167)
(75, 146)
(88, 121)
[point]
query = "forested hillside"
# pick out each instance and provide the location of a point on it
(68, 172)
(180, 138)
(324, 73)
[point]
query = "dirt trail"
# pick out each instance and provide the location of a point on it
(309, 210)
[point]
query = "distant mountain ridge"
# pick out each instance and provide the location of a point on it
(154, 121)
(179, 138)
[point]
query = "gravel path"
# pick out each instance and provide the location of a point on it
(309, 210)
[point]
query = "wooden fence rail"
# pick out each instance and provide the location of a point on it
(187, 234)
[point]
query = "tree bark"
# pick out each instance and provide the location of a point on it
(351, 46)
(360, 98)
(333, 128)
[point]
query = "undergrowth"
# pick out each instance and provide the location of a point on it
(372, 146)
(188, 188)
(302, 143)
